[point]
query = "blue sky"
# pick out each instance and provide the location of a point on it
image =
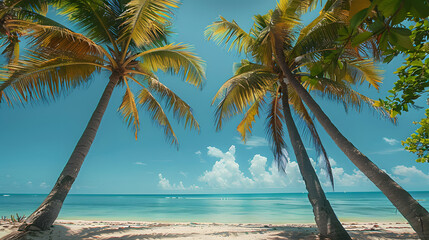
(36, 140)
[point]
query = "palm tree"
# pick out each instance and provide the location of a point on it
(252, 83)
(416, 215)
(126, 38)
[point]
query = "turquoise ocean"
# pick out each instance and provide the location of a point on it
(273, 208)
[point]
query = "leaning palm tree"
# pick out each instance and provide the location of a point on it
(125, 38)
(416, 215)
(252, 83)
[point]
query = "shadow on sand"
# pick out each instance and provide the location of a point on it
(158, 231)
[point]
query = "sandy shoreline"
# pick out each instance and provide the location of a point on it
(133, 230)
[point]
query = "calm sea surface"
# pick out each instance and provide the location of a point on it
(231, 208)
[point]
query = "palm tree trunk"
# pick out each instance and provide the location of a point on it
(416, 215)
(326, 220)
(45, 215)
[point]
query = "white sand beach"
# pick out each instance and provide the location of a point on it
(131, 230)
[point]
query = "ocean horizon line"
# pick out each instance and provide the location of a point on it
(167, 194)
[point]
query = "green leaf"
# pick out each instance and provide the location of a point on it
(389, 7)
(358, 18)
(360, 38)
(402, 38)
(316, 69)
(419, 8)
(402, 31)
(377, 26)
(400, 16)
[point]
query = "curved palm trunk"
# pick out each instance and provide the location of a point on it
(326, 220)
(45, 215)
(416, 215)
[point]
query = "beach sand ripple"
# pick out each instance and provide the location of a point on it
(130, 230)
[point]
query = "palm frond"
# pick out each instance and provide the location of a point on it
(174, 58)
(11, 49)
(296, 7)
(320, 38)
(146, 99)
(43, 76)
(95, 18)
(129, 110)
(363, 70)
(342, 92)
(38, 6)
(239, 92)
(245, 126)
(181, 110)
(144, 21)
(31, 16)
(262, 49)
(324, 17)
(226, 32)
(247, 66)
(59, 38)
(274, 129)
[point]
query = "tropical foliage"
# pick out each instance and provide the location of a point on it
(385, 22)
(320, 64)
(334, 12)
(127, 39)
(114, 38)
(256, 84)
(30, 10)
(418, 142)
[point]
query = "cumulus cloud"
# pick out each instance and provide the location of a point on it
(409, 174)
(198, 152)
(140, 163)
(341, 178)
(253, 141)
(271, 178)
(165, 184)
(226, 173)
(390, 141)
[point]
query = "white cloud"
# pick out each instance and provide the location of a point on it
(198, 152)
(332, 161)
(44, 185)
(344, 179)
(183, 173)
(226, 173)
(165, 184)
(388, 151)
(269, 179)
(140, 163)
(29, 182)
(409, 174)
(390, 141)
(253, 141)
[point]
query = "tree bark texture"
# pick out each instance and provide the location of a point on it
(47, 213)
(326, 220)
(416, 215)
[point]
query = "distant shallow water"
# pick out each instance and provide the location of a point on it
(223, 208)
